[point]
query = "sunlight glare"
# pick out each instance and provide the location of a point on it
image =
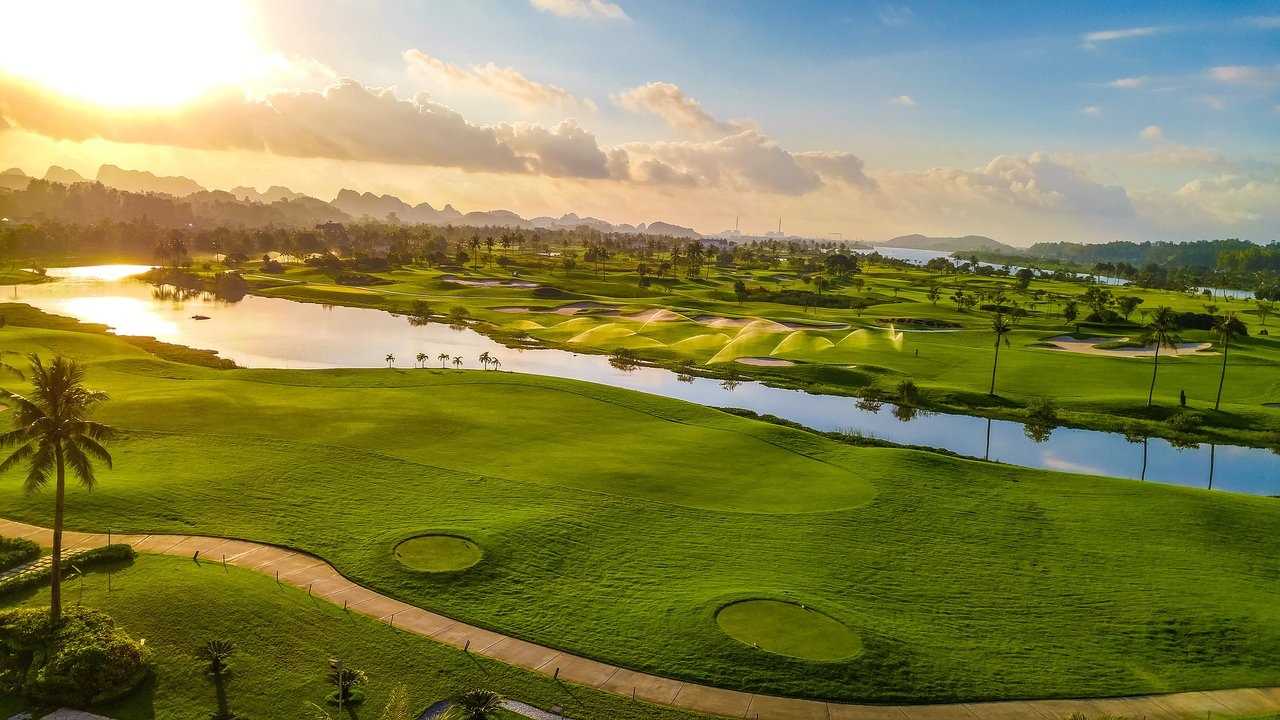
(133, 53)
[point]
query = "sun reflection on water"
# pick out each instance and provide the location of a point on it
(127, 316)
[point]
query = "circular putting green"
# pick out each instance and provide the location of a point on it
(789, 629)
(438, 553)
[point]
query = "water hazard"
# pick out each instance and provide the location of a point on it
(276, 333)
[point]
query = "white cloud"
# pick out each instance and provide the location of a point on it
(1128, 82)
(1108, 35)
(746, 162)
(895, 15)
(507, 83)
(346, 121)
(1245, 75)
(1092, 110)
(903, 100)
(1268, 22)
(680, 111)
(1152, 132)
(581, 8)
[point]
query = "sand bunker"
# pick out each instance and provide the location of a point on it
(1087, 346)
(581, 307)
(655, 315)
(810, 326)
(488, 282)
(724, 322)
(765, 362)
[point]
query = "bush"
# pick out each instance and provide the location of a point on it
(1184, 422)
(547, 291)
(82, 660)
(16, 551)
(87, 559)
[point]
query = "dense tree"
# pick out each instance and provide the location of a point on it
(1162, 330)
(1228, 327)
(51, 435)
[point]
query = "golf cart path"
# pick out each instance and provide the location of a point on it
(323, 581)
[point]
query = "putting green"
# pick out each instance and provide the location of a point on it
(789, 629)
(438, 553)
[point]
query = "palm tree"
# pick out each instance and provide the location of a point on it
(484, 359)
(1228, 327)
(422, 359)
(216, 653)
(1001, 326)
(443, 358)
(1162, 330)
(457, 361)
(390, 359)
(51, 434)
(495, 363)
(475, 705)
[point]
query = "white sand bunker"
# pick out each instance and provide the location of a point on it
(764, 362)
(1088, 346)
(488, 282)
(580, 307)
(655, 315)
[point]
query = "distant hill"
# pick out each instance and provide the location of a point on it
(272, 194)
(14, 179)
(141, 181)
(949, 244)
(662, 228)
(64, 176)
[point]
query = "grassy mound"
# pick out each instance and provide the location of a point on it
(789, 629)
(438, 553)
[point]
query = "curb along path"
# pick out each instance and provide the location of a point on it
(310, 572)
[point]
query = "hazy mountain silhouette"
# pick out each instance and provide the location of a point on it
(948, 244)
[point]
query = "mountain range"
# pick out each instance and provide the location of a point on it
(354, 205)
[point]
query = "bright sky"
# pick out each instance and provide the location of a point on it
(1021, 121)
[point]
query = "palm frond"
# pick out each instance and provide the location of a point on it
(79, 464)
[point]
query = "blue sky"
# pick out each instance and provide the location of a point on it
(1021, 120)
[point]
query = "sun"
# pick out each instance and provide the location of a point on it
(130, 53)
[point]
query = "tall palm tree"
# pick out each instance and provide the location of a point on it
(475, 705)
(1228, 327)
(391, 359)
(422, 359)
(51, 434)
(443, 358)
(484, 359)
(1162, 329)
(1001, 326)
(457, 361)
(495, 363)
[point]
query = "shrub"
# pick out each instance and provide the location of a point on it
(1184, 422)
(16, 551)
(216, 652)
(87, 559)
(82, 660)
(547, 291)
(908, 393)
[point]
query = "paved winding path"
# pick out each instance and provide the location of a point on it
(307, 571)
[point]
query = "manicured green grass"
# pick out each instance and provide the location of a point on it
(438, 553)
(616, 525)
(283, 641)
(953, 368)
(788, 629)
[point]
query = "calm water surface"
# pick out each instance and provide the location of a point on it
(276, 333)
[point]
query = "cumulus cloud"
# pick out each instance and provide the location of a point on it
(669, 102)
(1092, 110)
(1035, 183)
(1152, 132)
(1213, 102)
(346, 121)
(1245, 75)
(903, 100)
(1107, 35)
(507, 83)
(581, 8)
(747, 161)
